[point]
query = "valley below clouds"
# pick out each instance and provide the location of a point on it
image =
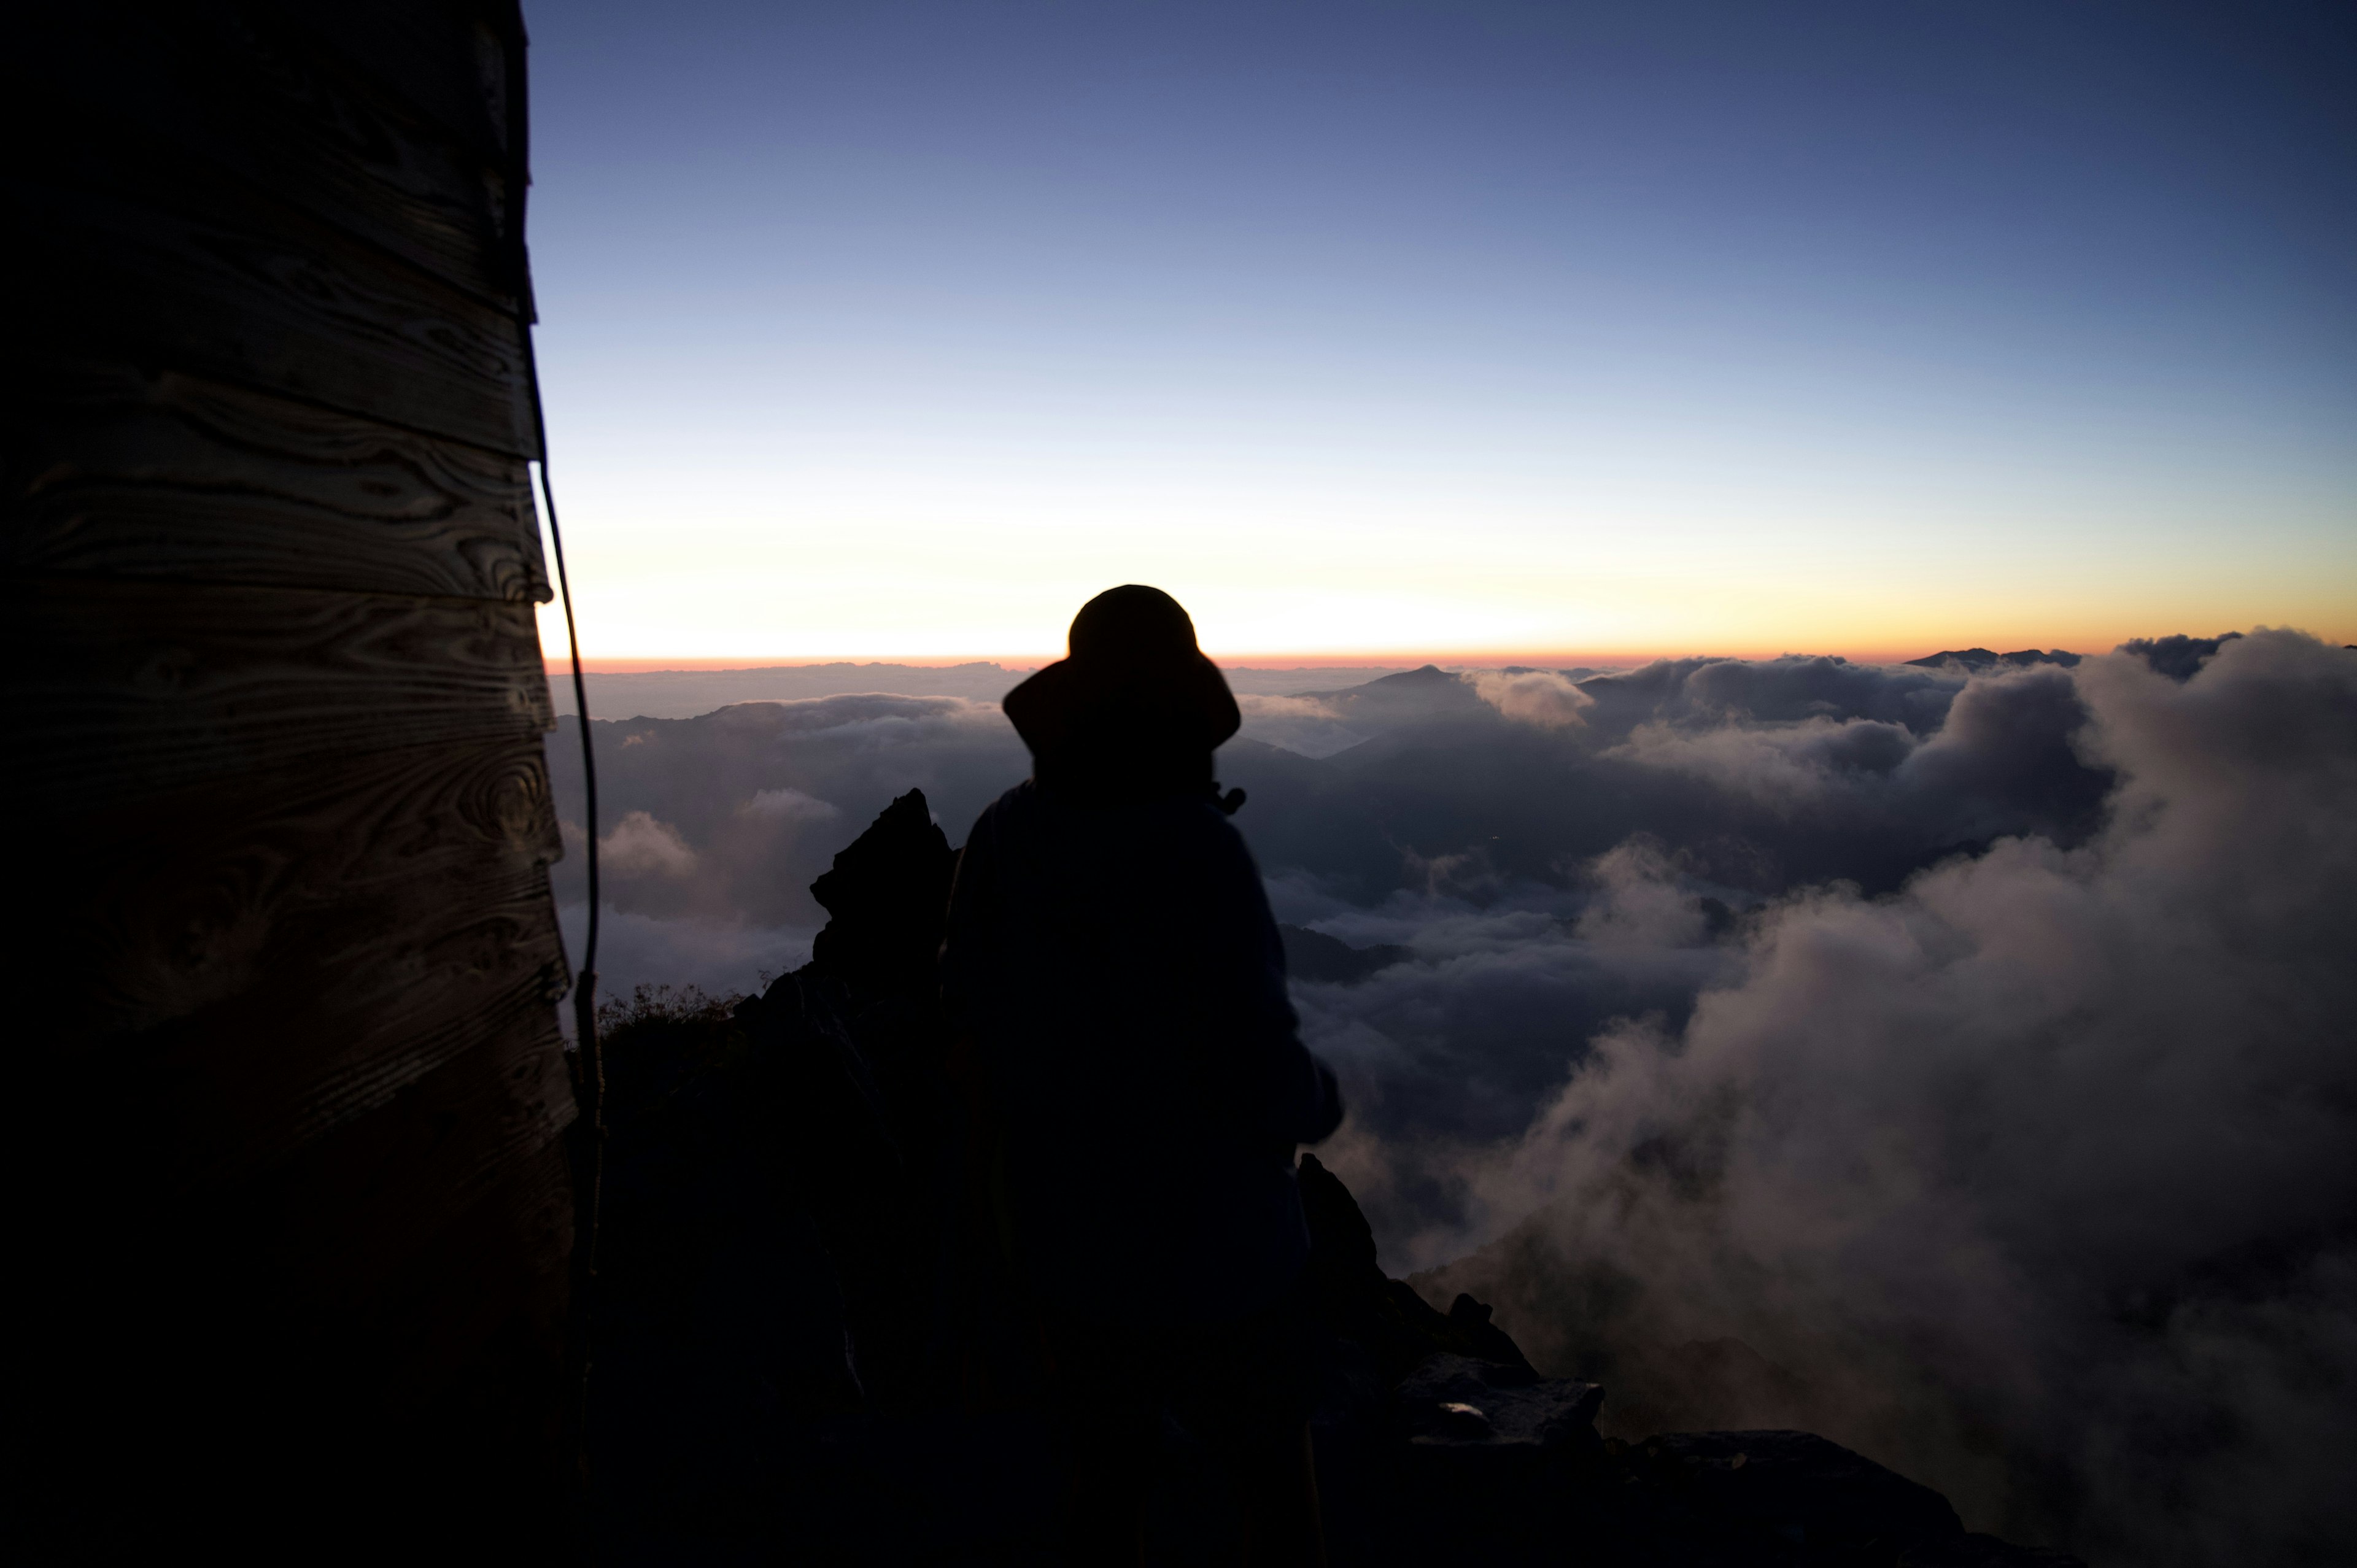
(1951, 1059)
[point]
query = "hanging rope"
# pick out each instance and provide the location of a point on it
(589, 1085)
(592, 1088)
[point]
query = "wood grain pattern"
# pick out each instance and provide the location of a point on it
(139, 688)
(445, 1326)
(374, 1185)
(396, 1294)
(130, 473)
(428, 860)
(447, 60)
(295, 1095)
(268, 957)
(261, 1078)
(453, 1351)
(356, 1211)
(211, 280)
(313, 1050)
(203, 87)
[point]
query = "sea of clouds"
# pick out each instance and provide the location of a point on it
(1957, 1063)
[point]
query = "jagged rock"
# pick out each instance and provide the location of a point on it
(865, 1107)
(1315, 956)
(1405, 1480)
(1456, 1402)
(887, 898)
(1469, 1324)
(1341, 1242)
(1805, 1488)
(1396, 1328)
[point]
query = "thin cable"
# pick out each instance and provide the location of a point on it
(591, 1086)
(518, 84)
(589, 978)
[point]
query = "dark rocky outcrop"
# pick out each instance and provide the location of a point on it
(2179, 656)
(1315, 956)
(1381, 1320)
(1980, 660)
(866, 1110)
(1800, 1487)
(1439, 1441)
(796, 1354)
(1459, 1404)
(774, 1177)
(887, 897)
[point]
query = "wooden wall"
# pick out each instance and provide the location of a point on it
(289, 1086)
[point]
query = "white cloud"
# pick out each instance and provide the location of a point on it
(1538, 697)
(2053, 1145)
(1303, 725)
(1787, 765)
(642, 846)
(791, 806)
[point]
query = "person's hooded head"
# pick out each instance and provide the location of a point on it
(1134, 709)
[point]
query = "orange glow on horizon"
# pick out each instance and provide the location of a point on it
(558, 666)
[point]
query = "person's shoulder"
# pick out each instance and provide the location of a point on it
(1016, 802)
(1007, 813)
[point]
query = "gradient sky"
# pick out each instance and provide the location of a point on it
(898, 330)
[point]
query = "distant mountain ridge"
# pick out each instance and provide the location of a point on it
(1978, 659)
(1314, 955)
(1371, 693)
(688, 694)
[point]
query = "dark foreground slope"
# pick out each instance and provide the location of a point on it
(798, 1353)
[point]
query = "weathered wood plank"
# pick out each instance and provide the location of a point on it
(208, 278)
(293, 1092)
(385, 910)
(267, 960)
(312, 1034)
(481, 1308)
(202, 89)
(472, 1324)
(281, 1409)
(117, 471)
(138, 688)
(247, 1082)
(447, 59)
(416, 1328)
(355, 1210)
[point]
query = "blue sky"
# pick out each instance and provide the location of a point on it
(899, 329)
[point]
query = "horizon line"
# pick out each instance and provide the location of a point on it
(1618, 659)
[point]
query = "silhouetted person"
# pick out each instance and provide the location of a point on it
(1113, 960)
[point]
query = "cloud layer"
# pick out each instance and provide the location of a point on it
(1955, 1063)
(728, 817)
(2037, 1173)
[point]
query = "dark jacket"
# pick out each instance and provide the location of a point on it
(1119, 974)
